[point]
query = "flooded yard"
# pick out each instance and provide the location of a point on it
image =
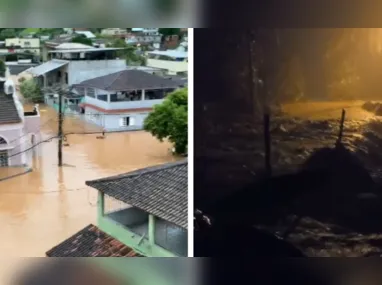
(47, 205)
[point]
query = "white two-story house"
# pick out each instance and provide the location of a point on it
(122, 100)
(19, 130)
(71, 66)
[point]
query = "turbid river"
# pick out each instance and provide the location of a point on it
(42, 208)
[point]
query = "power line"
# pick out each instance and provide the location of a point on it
(28, 149)
(24, 135)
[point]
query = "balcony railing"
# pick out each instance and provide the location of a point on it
(122, 104)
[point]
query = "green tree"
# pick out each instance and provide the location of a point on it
(7, 34)
(169, 120)
(3, 68)
(31, 91)
(81, 39)
(169, 31)
(128, 52)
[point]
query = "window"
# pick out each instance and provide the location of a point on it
(127, 121)
(3, 158)
(2, 141)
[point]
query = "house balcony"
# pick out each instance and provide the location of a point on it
(151, 236)
(121, 104)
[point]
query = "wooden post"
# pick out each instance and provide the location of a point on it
(60, 133)
(267, 144)
(338, 143)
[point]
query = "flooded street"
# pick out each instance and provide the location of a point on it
(338, 220)
(42, 208)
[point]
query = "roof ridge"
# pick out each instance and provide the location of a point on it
(119, 75)
(146, 170)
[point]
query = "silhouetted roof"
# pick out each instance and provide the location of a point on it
(129, 80)
(8, 111)
(159, 190)
(91, 242)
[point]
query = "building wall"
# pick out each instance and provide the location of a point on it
(112, 122)
(86, 69)
(33, 42)
(173, 67)
(13, 134)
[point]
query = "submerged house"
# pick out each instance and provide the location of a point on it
(122, 100)
(140, 213)
(19, 130)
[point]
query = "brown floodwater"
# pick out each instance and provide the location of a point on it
(42, 208)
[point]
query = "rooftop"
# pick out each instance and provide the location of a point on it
(72, 46)
(84, 50)
(47, 66)
(170, 53)
(8, 110)
(159, 190)
(129, 80)
(91, 242)
(87, 34)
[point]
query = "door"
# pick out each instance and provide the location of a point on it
(3, 158)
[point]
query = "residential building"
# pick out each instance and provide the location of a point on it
(122, 100)
(50, 45)
(68, 67)
(140, 213)
(114, 32)
(175, 62)
(31, 45)
(19, 130)
(146, 31)
(143, 39)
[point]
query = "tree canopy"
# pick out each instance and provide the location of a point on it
(81, 39)
(169, 120)
(3, 68)
(31, 91)
(128, 52)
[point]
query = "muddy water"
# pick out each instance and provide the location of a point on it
(44, 207)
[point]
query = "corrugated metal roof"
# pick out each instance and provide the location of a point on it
(48, 66)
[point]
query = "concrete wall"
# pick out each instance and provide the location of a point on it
(16, 143)
(112, 122)
(32, 126)
(87, 69)
(33, 42)
(172, 66)
(129, 217)
(122, 104)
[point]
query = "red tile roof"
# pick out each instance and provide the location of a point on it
(91, 242)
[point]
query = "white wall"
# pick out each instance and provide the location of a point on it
(13, 134)
(87, 69)
(122, 105)
(172, 66)
(111, 122)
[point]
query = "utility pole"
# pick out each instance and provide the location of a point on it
(60, 122)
